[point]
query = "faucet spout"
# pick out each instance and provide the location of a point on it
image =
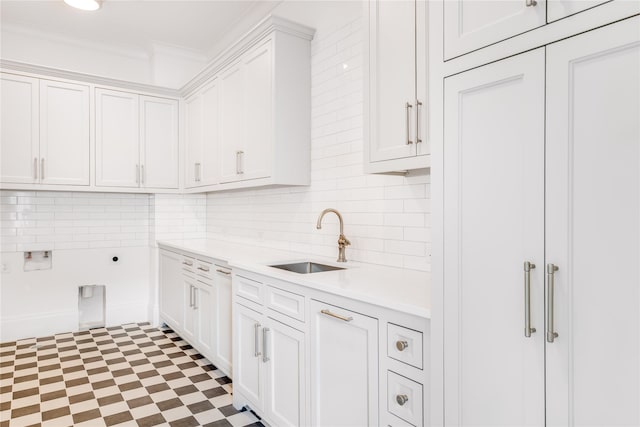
(343, 242)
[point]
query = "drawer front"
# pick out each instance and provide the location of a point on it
(405, 345)
(404, 398)
(285, 302)
(204, 269)
(249, 289)
(393, 421)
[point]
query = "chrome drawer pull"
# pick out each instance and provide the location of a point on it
(401, 399)
(189, 263)
(337, 316)
(401, 345)
(201, 268)
(528, 330)
(223, 272)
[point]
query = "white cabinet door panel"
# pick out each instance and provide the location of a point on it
(189, 321)
(210, 173)
(204, 312)
(171, 296)
(158, 142)
(343, 352)
(471, 25)
(392, 84)
(285, 375)
(222, 321)
(558, 9)
(117, 139)
(257, 111)
(231, 122)
(64, 133)
(593, 227)
(193, 137)
(247, 371)
(494, 222)
(19, 125)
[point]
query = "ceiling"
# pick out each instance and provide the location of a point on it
(134, 25)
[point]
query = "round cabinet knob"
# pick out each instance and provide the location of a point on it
(402, 399)
(401, 345)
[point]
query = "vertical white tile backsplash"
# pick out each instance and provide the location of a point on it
(387, 218)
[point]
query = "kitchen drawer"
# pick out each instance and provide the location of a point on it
(286, 302)
(393, 421)
(204, 268)
(249, 289)
(405, 345)
(404, 398)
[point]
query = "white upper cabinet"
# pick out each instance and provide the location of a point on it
(136, 140)
(558, 9)
(158, 142)
(64, 133)
(117, 139)
(396, 113)
(45, 132)
(202, 137)
(231, 119)
(20, 129)
(471, 25)
(593, 227)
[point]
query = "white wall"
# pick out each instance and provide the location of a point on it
(387, 218)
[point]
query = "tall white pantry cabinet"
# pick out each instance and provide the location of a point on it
(542, 235)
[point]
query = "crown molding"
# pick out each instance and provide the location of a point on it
(8, 65)
(265, 27)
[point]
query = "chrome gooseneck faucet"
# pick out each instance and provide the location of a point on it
(343, 242)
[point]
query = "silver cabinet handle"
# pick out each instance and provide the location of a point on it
(531, 3)
(256, 340)
(42, 169)
(265, 345)
(190, 296)
(407, 106)
(337, 316)
(239, 154)
(197, 172)
(35, 168)
(418, 105)
(401, 399)
(142, 174)
(189, 263)
(223, 272)
(137, 174)
(195, 298)
(201, 268)
(551, 270)
(401, 345)
(528, 330)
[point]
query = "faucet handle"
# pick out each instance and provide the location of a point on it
(343, 241)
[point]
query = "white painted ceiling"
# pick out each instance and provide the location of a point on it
(134, 25)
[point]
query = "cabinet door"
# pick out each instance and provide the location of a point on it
(204, 308)
(171, 294)
(158, 142)
(193, 137)
(189, 319)
(64, 133)
(285, 356)
(593, 227)
(117, 137)
(210, 160)
(222, 321)
(257, 131)
(247, 367)
(231, 122)
(392, 80)
(344, 367)
(494, 222)
(19, 125)
(471, 25)
(423, 144)
(558, 9)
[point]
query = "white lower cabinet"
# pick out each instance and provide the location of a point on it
(195, 301)
(303, 357)
(542, 286)
(344, 367)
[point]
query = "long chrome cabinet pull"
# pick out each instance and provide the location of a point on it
(265, 345)
(528, 330)
(551, 270)
(256, 340)
(42, 169)
(35, 168)
(418, 105)
(197, 172)
(407, 106)
(137, 174)
(142, 174)
(195, 298)
(190, 296)
(337, 316)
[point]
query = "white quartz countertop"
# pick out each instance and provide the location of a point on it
(400, 289)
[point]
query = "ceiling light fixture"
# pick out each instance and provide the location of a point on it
(84, 4)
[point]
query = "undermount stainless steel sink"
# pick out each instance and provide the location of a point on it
(306, 267)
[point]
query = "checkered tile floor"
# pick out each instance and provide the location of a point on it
(130, 375)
